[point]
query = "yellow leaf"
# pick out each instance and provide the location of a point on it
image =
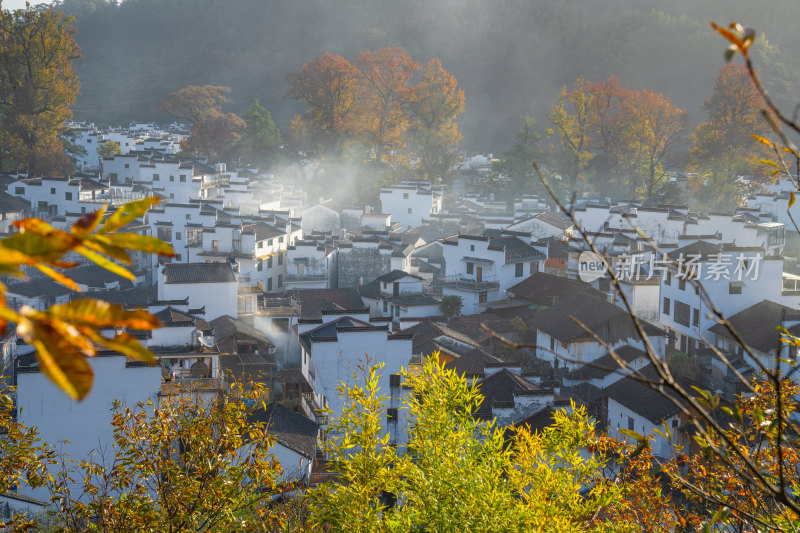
(105, 263)
(791, 199)
(141, 243)
(728, 34)
(58, 276)
(127, 213)
(761, 139)
(124, 343)
(97, 313)
(59, 358)
(88, 222)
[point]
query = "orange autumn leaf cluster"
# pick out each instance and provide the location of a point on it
(372, 103)
(64, 335)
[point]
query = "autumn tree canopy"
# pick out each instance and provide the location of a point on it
(722, 148)
(614, 140)
(38, 87)
(214, 133)
(372, 105)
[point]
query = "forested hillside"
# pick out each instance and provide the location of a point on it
(510, 56)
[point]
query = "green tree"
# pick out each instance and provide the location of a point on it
(261, 140)
(516, 162)
(451, 305)
(37, 89)
(459, 472)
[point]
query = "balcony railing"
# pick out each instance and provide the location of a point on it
(278, 306)
(487, 283)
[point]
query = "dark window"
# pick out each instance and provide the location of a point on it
(280, 239)
(409, 210)
(734, 288)
(156, 177)
(183, 178)
(396, 310)
(405, 196)
(177, 235)
(534, 267)
(385, 306)
(52, 190)
(391, 414)
(668, 279)
(695, 317)
(177, 257)
(127, 165)
(280, 258)
(518, 269)
(682, 312)
(280, 280)
(470, 268)
(269, 262)
(269, 242)
(665, 308)
(483, 297)
(19, 190)
(471, 247)
(552, 344)
(260, 244)
(68, 195)
(260, 266)
(269, 284)
(394, 380)
(682, 284)
(630, 423)
(172, 178)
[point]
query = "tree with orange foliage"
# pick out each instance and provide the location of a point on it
(37, 89)
(384, 76)
(608, 119)
(329, 85)
(656, 128)
(723, 147)
(435, 105)
(214, 133)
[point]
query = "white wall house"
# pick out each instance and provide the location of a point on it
(333, 349)
(480, 269)
(85, 424)
(307, 265)
(411, 202)
(398, 296)
(212, 285)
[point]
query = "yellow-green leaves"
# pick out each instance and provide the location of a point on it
(65, 334)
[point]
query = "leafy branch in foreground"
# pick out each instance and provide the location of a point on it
(65, 334)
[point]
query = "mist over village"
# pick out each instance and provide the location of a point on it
(399, 266)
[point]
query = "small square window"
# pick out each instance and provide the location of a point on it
(156, 177)
(177, 257)
(19, 190)
(127, 165)
(280, 240)
(68, 196)
(52, 190)
(269, 242)
(470, 268)
(471, 247)
(260, 244)
(409, 210)
(183, 178)
(394, 380)
(405, 196)
(177, 235)
(391, 414)
(172, 178)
